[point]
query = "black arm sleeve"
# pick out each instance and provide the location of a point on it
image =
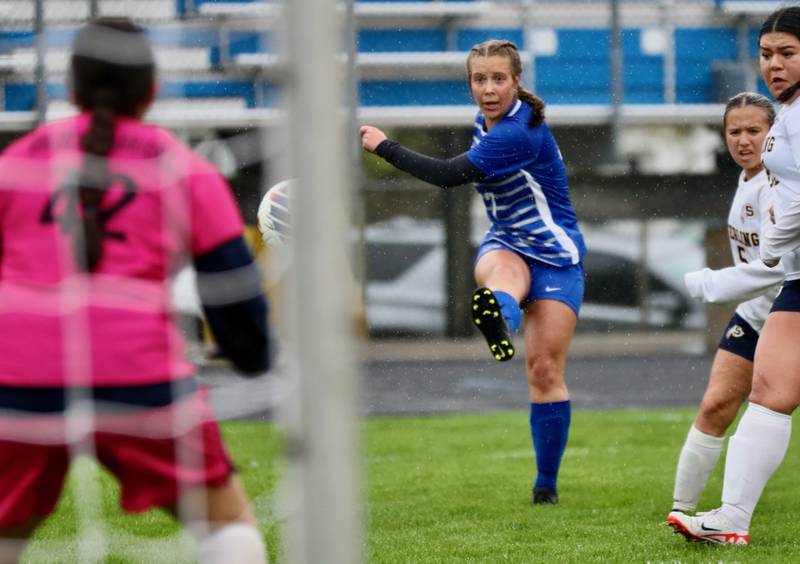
(441, 172)
(229, 285)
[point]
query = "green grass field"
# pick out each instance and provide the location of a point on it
(456, 489)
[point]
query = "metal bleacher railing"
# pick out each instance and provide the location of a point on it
(221, 60)
(191, 86)
(749, 7)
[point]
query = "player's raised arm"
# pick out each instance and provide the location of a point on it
(439, 172)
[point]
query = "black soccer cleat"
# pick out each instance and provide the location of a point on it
(488, 318)
(544, 496)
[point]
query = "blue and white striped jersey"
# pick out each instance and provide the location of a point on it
(525, 190)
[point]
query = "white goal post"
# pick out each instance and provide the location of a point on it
(324, 452)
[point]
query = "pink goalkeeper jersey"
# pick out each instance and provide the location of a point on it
(59, 326)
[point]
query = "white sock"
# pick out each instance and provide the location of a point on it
(754, 453)
(698, 457)
(234, 543)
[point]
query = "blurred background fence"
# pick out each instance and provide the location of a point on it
(635, 92)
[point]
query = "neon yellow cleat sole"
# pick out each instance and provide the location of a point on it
(489, 320)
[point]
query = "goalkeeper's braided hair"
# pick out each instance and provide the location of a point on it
(508, 49)
(113, 74)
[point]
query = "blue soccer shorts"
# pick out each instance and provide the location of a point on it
(548, 282)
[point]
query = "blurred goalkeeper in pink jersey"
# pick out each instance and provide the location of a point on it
(96, 212)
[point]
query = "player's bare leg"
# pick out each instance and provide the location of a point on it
(776, 376)
(728, 386)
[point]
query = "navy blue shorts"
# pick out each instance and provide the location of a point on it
(739, 338)
(788, 298)
(548, 282)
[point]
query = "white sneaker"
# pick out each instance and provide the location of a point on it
(711, 526)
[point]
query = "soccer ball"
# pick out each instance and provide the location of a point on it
(274, 218)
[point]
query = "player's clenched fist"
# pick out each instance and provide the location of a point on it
(371, 137)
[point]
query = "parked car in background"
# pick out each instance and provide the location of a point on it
(406, 294)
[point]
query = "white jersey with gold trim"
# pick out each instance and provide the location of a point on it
(749, 279)
(781, 156)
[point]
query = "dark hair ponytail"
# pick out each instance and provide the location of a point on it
(508, 49)
(94, 179)
(113, 74)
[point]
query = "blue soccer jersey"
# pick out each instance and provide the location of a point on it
(525, 190)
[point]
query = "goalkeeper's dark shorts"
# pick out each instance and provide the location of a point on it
(154, 452)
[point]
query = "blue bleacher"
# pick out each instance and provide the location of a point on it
(643, 74)
(21, 96)
(238, 41)
(695, 51)
(386, 40)
(19, 93)
(413, 93)
(578, 72)
(10, 40)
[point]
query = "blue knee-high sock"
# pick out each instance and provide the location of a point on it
(549, 430)
(509, 307)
